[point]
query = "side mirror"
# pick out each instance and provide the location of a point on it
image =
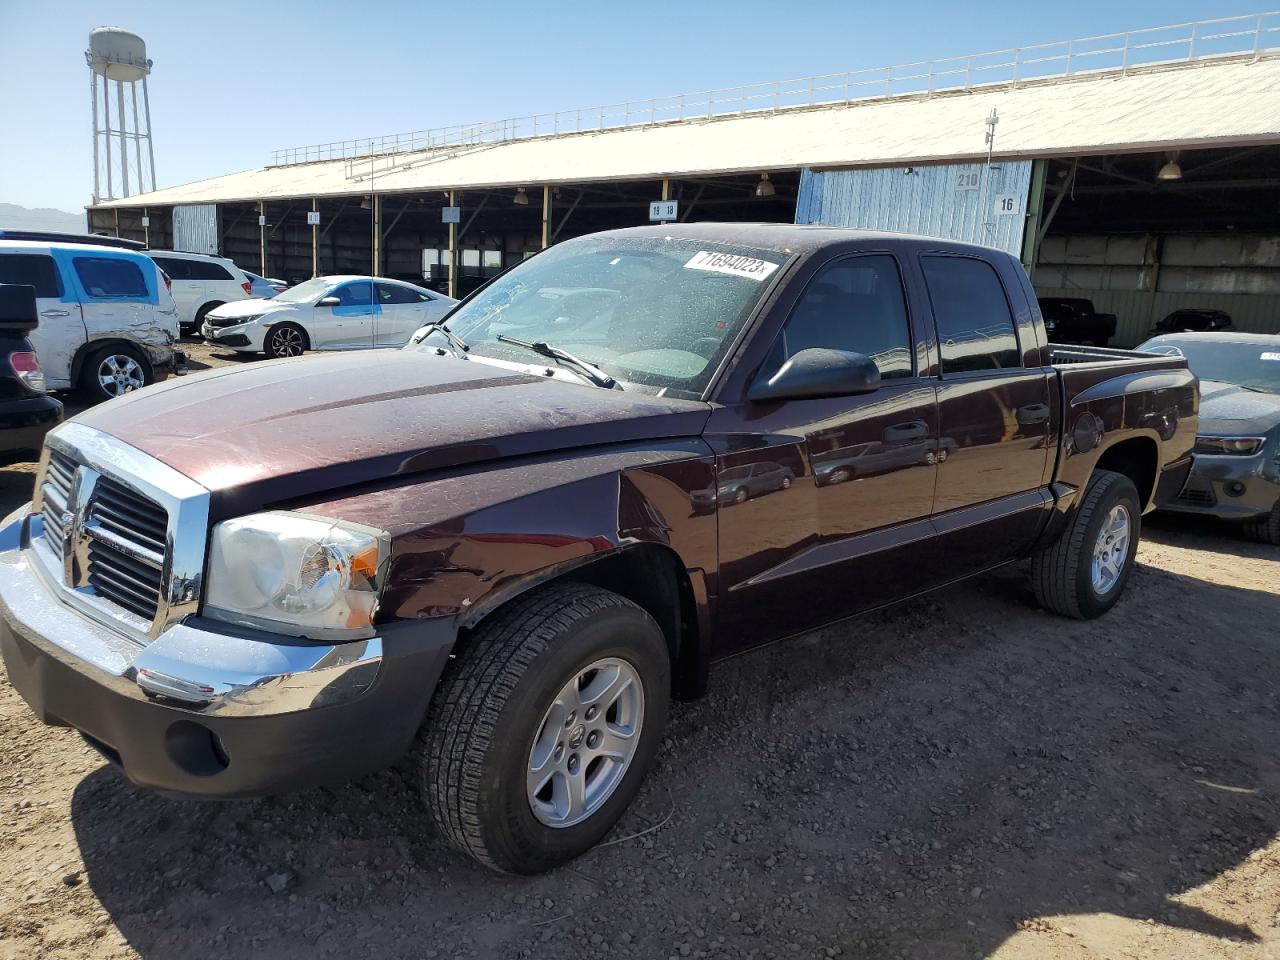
(819, 372)
(18, 308)
(328, 302)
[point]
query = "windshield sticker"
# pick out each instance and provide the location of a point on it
(732, 264)
(1271, 356)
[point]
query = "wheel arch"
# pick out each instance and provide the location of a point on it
(206, 307)
(652, 577)
(1138, 458)
(90, 347)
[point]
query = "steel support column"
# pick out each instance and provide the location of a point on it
(1035, 209)
(262, 237)
(453, 248)
(315, 241)
(376, 211)
(546, 216)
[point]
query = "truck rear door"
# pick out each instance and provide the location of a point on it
(994, 414)
(838, 520)
(61, 330)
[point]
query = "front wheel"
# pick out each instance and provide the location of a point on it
(1265, 529)
(285, 340)
(544, 726)
(1084, 573)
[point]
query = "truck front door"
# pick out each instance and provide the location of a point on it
(854, 475)
(994, 416)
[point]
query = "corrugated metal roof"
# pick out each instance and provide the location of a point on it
(1204, 103)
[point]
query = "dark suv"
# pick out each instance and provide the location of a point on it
(1194, 321)
(27, 412)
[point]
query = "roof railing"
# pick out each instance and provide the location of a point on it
(1250, 35)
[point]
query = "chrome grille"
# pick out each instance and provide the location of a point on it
(126, 549)
(55, 491)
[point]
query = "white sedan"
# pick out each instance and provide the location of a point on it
(326, 313)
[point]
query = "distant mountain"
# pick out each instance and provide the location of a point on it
(42, 218)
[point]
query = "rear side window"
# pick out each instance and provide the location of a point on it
(975, 324)
(392, 293)
(34, 270)
(104, 277)
(855, 305)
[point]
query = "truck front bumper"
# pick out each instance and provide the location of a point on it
(212, 710)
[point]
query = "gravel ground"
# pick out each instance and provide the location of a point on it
(960, 776)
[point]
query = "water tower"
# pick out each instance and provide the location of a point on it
(120, 57)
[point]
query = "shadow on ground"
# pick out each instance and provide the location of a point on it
(916, 783)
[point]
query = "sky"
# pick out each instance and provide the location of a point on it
(234, 80)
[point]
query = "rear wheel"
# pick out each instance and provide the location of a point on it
(198, 324)
(544, 726)
(286, 340)
(113, 372)
(1267, 529)
(1084, 573)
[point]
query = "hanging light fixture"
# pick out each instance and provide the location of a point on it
(1171, 169)
(765, 187)
(366, 203)
(521, 198)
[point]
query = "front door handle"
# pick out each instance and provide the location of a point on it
(55, 313)
(1032, 414)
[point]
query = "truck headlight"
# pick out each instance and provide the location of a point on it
(296, 574)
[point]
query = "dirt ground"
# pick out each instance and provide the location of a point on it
(960, 776)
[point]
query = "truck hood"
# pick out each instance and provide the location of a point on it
(247, 308)
(1227, 409)
(281, 429)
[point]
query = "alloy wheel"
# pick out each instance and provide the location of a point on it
(585, 743)
(119, 373)
(286, 342)
(1111, 551)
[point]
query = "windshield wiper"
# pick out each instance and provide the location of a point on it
(459, 345)
(587, 369)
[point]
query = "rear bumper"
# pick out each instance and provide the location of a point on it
(212, 711)
(1230, 488)
(23, 424)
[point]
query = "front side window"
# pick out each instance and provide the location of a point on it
(656, 314)
(34, 270)
(358, 294)
(975, 324)
(108, 278)
(856, 305)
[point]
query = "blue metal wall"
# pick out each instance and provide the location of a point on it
(950, 201)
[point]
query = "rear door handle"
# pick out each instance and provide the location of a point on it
(55, 313)
(1033, 413)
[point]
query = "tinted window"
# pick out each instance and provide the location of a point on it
(206, 270)
(855, 305)
(175, 268)
(393, 293)
(33, 269)
(355, 294)
(103, 277)
(1254, 364)
(975, 325)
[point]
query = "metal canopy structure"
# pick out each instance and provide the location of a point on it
(1215, 101)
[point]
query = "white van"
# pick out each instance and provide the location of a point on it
(201, 283)
(107, 320)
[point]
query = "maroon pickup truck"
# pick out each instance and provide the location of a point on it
(504, 548)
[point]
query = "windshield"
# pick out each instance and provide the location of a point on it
(310, 290)
(1249, 364)
(658, 313)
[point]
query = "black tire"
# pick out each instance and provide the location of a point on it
(286, 340)
(122, 355)
(198, 324)
(474, 748)
(1267, 529)
(1062, 573)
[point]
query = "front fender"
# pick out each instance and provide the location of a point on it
(466, 541)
